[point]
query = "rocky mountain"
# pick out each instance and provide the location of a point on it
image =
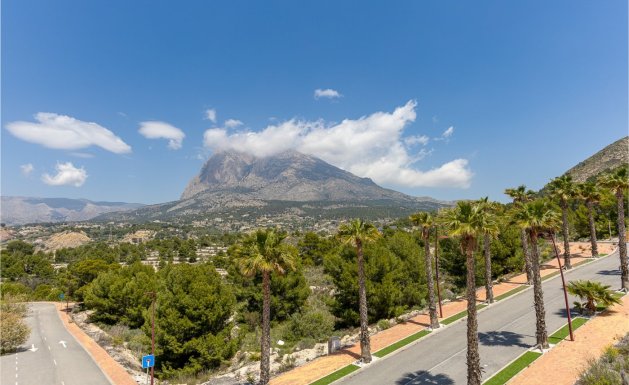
(289, 176)
(611, 157)
(22, 210)
(290, 183)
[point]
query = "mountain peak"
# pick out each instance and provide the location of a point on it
(287, 176)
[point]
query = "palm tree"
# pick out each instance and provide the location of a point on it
(591, 194)
(357, 233)
(593, 293)
(618, 182)
(465, 221)
(425, 222)
(521, 195)
(264, 253)
(489, 230)
(562, 189)
(536, 217)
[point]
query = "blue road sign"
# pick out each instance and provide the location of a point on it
(61, 296)
(148, 361)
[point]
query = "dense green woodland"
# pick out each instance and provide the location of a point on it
(202, 319)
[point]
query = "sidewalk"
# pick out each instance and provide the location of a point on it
(562, 364)
(325, 365)
(114, 371)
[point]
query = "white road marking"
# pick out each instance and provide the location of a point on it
(33, 348)
(63, 343)
(48, 347)
(55, 362)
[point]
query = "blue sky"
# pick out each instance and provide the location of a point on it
(451, 99)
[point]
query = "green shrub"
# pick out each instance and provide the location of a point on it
(317, 325)
(384, 324)
(14, 288)
(606, 370)
(14, 331)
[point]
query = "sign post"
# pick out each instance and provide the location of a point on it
(148, 361)
(154, 297)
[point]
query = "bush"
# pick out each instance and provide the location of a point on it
(384, 324)
(606, 370)
(15, 304)
(13, 288)
(14, 332)
(45, 292)
(313, 324)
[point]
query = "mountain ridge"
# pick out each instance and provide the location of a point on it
(288, 184)
(19, 210)
(288, 176)
(607, 159)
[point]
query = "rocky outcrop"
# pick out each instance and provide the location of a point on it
(611, 157)
(289, 176)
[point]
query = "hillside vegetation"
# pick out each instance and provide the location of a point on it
(610, 158)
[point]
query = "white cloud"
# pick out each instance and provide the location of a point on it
(66, 133)
(233, 123)
(326, 93)
(82, 154)
(67, 174)
(210, 114)
(445, 136)
(416, 139)
(371, 146)
(27, 169)
(162, 130)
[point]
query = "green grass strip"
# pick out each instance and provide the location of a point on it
(460, 315)
(514, 368)
(511, 292)
(403, 342)
(330, 378)
(549, 276)
(564, 332)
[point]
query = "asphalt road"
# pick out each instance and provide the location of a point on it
(506, 330)
(51, 356)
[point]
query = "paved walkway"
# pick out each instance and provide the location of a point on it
(113, 370)
(562, 364)
(325, 365)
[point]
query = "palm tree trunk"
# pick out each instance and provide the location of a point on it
(265, 356)
(473, 356)
(622, 241)
(566, 235)
(432, 307)
(592, 228)
(365, 348)
(527, 257)
(538, 295)
(489, 292)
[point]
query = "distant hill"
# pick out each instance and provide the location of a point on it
(23, 210)
(611, 157)
(291, 183)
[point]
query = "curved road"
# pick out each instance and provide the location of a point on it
(51, 356)
(506, 330)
